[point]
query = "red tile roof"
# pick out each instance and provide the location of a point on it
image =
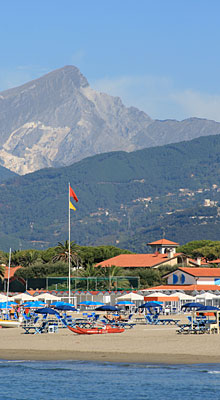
(199, 272)
(12, 271)
(185, 288)
(164, 242)
(136, 260)
(217, 261)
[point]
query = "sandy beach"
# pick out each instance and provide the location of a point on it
(143, 343)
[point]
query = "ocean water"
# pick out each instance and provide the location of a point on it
(105, 381)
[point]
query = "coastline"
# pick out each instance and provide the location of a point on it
(177, 359)
(142, 344)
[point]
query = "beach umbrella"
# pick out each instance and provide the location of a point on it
(58, 303)
(151, 304)
(65, 307)
(46, 310)
(131, 296)
(192, 306)
(183, 296)
(4, 305)
(33, 304)
(90, 303)
(22, 297)
(47, 297)
(3, 297)
(107, 307)
(125, 303)
(209, 308)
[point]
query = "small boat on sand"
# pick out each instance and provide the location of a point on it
(7, 323)
(96, 330)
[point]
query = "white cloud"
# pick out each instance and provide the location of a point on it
(159, 98)
(199, 104)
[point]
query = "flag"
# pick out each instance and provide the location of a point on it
(72, 207)
(73, 194)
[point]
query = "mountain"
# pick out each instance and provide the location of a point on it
(125, 199)
(6, 174)
(59, 119)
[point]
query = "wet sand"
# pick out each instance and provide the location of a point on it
(143, 343)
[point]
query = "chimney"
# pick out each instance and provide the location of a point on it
(170, 253)
(198, 260)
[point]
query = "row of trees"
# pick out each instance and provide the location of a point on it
(53, 262)
(208, 249)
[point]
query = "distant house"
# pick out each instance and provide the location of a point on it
(164, 254)
(190, 279)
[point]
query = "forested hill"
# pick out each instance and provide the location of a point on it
(125, 199)
(6, 174)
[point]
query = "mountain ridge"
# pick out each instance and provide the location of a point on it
(59, 119)
(125, 199)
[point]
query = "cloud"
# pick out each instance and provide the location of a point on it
(159, 98)
(197, 104)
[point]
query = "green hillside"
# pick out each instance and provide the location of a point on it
(125, 199)
(6, 174)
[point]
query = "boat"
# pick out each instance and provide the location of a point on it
(9, 323)
(95, 330)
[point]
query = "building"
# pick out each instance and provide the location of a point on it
(15, 283)
(164, 255)
(189, 279)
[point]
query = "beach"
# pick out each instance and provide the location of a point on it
(143, 343)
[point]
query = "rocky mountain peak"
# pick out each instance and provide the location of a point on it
(59, 119)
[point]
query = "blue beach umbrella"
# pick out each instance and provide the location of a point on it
(65, 307)
(125, 303)
(5, 305)
(58, 303)
(209, 308)
(87, 303)
(46, 310)
(33, 304)
(151, 304)
(192, 306)
(107, 307)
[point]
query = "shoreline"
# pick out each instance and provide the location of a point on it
(154, 359)
(142, 344)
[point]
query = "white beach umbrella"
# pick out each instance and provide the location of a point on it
(183, 296)
(131, 296)
(3, 297)
(47, 297)
(22, 297)
(157, 294)
(207, 296)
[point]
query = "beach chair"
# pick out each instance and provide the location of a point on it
(149, 319)
(31, 327)
(43, 328)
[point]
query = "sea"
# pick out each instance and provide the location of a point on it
(65, 380)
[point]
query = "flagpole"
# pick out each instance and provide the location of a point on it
(9, 265)
(69, 244)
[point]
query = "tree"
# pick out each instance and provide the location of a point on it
(112, 273)
(62, 253)
(2, 272)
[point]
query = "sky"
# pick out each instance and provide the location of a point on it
(161, 56)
